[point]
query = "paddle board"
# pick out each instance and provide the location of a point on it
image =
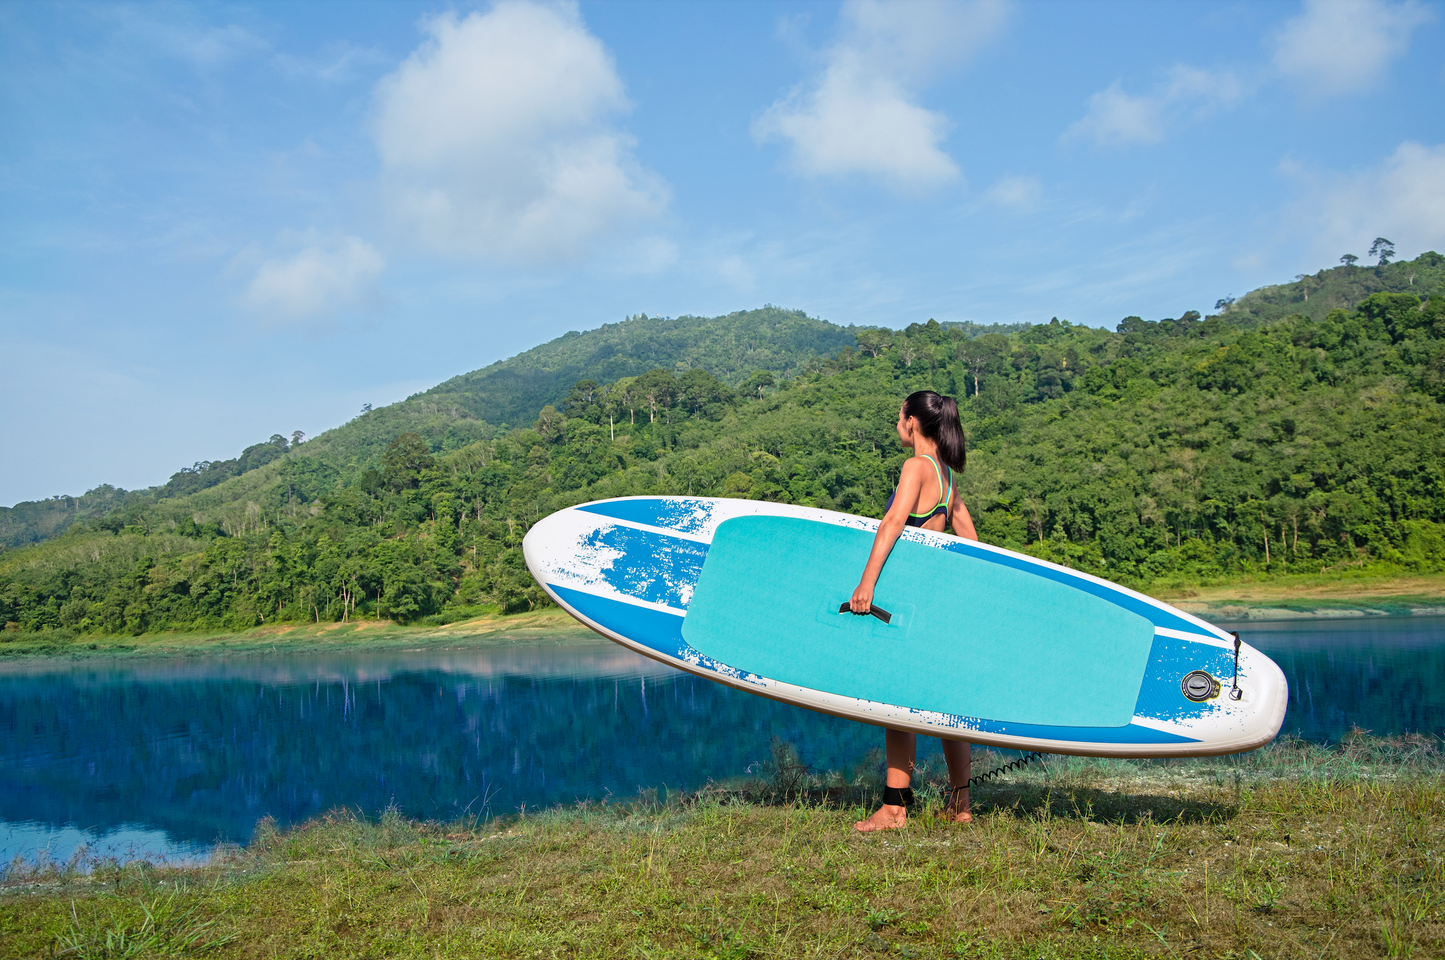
(980, 643)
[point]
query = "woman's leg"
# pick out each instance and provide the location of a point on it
(900, 748)
(958, 755)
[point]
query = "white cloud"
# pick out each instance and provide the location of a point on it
(1400, 199)
(316, 281)
(1339, 46)
(496, 141)
(1116, 118)
(860, 115)
(1016, 193)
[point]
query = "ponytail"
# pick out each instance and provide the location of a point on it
(938, 419)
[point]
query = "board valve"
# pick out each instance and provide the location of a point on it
(1199, 686)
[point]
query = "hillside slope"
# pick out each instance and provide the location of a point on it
(1338, 288)
(730, 348)
(470, 406)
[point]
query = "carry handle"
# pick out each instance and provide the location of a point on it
(878, 612)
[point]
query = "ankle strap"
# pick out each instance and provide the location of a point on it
(898, 796)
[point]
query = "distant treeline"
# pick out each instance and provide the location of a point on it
(38, 520)
(1185, 448)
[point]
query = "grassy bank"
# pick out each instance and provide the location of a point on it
(548, 624)
(1295, 851)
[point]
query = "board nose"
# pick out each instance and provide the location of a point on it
(534, 544)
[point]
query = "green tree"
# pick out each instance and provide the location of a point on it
(404, 460)
(696, 389)
(758, 382)
(656, 388)
(551, 424)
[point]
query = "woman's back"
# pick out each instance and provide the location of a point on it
(935, 494)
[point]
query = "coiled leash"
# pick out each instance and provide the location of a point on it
(903, 796)
(1018, 764)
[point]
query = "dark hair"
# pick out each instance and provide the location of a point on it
(938, 419)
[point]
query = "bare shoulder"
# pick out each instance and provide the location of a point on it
(918, 465)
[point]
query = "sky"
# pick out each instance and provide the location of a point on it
(224, 221)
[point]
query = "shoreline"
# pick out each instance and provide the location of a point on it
(550, 625)
(1306, 597)
(1309, 596)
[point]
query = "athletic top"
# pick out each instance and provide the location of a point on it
(919, 519)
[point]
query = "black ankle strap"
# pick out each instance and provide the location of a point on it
(898, 796)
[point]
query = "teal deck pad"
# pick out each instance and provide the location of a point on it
(969, 637)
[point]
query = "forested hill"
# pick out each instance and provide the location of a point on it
(466, 408)
(1162, 451)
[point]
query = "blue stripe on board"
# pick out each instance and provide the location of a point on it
(1160, 618)
(662, 632)
(670, 513)
(651, 566)
(652, 628)
(1133, 733)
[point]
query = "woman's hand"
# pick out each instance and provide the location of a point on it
(862, 601)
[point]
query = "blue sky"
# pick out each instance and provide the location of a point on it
(223, 221)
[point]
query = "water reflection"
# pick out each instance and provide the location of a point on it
(188, 752)
(203, 749)
(1385, 674)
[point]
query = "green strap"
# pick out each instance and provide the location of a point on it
(938, 475)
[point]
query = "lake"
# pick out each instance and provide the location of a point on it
(166, 757)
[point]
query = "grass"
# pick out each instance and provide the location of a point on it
(1294, 851)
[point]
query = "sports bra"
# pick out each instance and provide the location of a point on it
(919, 519)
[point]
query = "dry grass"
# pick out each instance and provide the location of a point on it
(1294, 852)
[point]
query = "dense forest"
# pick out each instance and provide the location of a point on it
(1183, 448)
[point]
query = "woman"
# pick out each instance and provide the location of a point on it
(928, 424)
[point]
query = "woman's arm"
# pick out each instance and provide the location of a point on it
(909, 486)
(961, 522)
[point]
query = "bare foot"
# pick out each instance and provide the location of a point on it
(957, 810)
(888, 817)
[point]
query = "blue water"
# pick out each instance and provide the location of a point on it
(1383, 674)
(167, 757)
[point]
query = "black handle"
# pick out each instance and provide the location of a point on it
(1234, 692)
(878, 612)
